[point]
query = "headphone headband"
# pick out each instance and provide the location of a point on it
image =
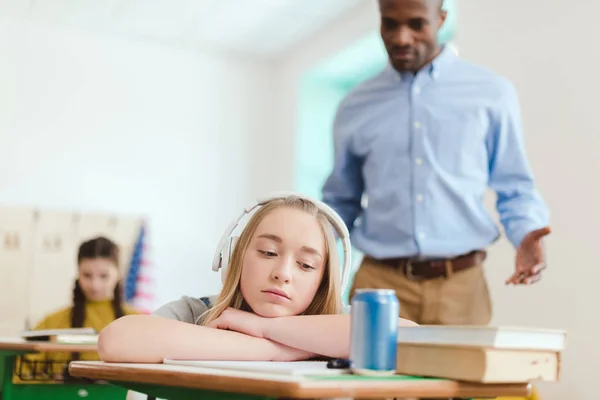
(226, 244)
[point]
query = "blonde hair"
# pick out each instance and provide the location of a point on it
(327, 300)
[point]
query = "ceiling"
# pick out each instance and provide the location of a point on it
(256, 27)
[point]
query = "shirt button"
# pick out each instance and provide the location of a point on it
(419, 161)
(419, 198)
(417, 90)
(422, 235)
(417, 124)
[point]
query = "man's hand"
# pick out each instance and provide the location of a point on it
(240, 321)
(530, 260)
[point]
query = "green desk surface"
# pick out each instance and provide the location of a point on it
(351, 377)
(7, 359)
(66, 392)
(50, 391)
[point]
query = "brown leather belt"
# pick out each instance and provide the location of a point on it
(430, 269)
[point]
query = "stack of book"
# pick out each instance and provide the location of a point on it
(481, 353)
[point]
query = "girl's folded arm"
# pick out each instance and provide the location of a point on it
(150, 339)
(328, 335)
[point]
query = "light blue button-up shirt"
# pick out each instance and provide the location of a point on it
(423, 149)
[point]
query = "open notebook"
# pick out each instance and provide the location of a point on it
(65, 336)
(274, 367)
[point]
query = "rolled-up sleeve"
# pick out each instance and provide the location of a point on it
(344, 187)
(519, 204)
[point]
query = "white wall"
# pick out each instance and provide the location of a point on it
(349, 27)
(547, 50)
(105, 124)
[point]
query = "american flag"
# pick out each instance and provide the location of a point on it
(139, 285)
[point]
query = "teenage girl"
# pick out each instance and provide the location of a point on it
(281, 299)
(97, 301)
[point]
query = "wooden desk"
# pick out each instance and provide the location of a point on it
(176, 382)
(23, 346)
(10, 349)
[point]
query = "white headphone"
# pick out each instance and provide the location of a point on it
(227, 242)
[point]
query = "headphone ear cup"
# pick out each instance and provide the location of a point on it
(226, 256)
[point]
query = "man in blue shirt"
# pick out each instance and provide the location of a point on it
(415, 149)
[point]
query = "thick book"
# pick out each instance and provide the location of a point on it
(66, 336)
(482, 365)
(485, 336)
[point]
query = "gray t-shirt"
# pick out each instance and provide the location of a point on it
(187, 309)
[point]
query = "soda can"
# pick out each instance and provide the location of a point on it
(374, 331)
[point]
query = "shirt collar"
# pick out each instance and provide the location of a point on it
(446, 57)
(434, 68)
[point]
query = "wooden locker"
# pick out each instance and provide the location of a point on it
(54, 263)
(89, 226)
(16, 261)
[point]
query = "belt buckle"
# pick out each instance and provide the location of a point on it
(409, 272)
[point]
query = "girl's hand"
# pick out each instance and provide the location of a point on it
(286, 353)
(240, 321)
(255, 325)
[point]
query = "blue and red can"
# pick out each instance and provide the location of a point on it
(374, 331)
